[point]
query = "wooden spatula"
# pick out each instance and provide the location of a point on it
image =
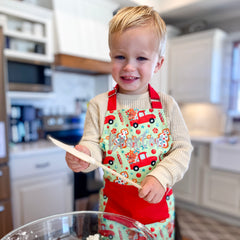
(90, 160)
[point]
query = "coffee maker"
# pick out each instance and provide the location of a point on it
(25, 123)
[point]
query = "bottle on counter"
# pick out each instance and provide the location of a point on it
(78, 106)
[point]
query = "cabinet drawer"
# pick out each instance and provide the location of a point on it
(4, 182)
(44, 162)
(5, 218)
(221, 191)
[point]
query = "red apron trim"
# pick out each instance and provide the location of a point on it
(155, 99)
(124, 200)
(112, 98)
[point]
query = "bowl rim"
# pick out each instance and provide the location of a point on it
(55, 216)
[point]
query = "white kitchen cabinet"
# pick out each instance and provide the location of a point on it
(208, 191)
(195, 66)
(160, 79)
(189, 188)
(221, 191)
(82, 27)
(28, 31)
(38, 197)
(41, 184)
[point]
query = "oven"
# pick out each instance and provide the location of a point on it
(69, 129)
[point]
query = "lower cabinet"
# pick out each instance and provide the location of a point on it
(189, 188)
(39, 197)
(221, 191)
(41, 185)
(206, 188)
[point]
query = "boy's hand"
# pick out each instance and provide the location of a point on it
(76, 164)
(152, 190)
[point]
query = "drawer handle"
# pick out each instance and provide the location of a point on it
(1, 173)
(42, 165)
(2, 208)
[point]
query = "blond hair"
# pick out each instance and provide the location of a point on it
(139, 16)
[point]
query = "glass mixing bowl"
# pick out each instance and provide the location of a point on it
(89, 225)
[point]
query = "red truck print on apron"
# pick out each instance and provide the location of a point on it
(134, 141)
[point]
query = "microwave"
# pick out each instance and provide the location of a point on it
(29, 77)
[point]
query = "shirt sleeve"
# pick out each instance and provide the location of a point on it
(92, 133)
(175, 163)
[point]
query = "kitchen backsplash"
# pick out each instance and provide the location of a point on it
(67, 88)
(204, 119)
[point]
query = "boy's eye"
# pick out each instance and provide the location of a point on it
(141, 59)
(120, 57)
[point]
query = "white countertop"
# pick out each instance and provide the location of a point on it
(205, 139)
(47, 146)
(32, 147)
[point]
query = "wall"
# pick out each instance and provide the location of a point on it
(204, 119)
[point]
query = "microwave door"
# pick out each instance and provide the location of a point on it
(29, 77)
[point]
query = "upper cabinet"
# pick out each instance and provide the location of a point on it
(195, 66)
(27, 30)
(82, 27)
(160, 79)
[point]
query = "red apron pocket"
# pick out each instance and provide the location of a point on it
(124, 200)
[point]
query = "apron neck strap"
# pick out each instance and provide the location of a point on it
(112, 99)
(154, 97)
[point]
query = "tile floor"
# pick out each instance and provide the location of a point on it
(198, 227)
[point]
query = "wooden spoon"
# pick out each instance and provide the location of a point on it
(90, 160)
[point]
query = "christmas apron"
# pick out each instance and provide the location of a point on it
(134, 141)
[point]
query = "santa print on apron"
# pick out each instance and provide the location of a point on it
(134, 141)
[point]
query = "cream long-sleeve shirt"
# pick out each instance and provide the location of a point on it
(172, 168)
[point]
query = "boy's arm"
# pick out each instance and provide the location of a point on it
(91, 135)
(175, 163)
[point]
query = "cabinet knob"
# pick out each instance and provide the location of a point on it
(42, 165)
(1, 173)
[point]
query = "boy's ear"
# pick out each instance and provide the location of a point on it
(159, 64)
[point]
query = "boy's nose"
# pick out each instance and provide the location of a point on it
(129, 67)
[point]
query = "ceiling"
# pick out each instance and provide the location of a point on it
(182, 12)
(212, 11)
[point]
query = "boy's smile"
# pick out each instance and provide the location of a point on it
(135, 57)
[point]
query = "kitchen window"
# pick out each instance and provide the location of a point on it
(234, 105)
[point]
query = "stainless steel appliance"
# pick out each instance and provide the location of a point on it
(29, 77)
(69, 129)
(5, 202)
(66, 128)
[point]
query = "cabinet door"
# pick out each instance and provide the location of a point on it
(5, 218)
(195, 67)
(4, 182)
(39, 197)
(160, 79)
(221, 191)
(82, 27)
(189, 188)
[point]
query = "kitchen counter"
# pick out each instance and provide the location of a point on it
(206, 139)
(47, 146)
(32, 148)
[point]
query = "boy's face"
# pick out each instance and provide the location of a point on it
(135, 57)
